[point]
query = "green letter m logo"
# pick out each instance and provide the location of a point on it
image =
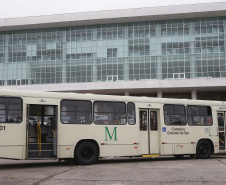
(107, 134)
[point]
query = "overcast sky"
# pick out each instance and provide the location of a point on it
(24, 8)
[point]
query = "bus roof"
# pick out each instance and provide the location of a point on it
(66, 95)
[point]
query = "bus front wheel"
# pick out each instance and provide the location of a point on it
(86, 153)
(203, 149)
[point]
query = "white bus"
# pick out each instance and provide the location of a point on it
(84, 127)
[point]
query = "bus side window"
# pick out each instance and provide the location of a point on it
(174, 114)
(199, 115)
(131, 114)
(11, 110)
(76, 111)
(111, 113)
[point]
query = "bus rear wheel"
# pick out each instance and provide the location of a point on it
(203, 149)
(86, 153)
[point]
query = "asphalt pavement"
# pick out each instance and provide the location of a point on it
(116, 171)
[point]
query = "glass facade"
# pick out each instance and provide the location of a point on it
(155, 50)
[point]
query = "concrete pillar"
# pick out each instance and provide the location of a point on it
(192, 49)
(126, 93)
(64, 53)
(159, 94)
(194, 95)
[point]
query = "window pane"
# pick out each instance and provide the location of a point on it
(199, 115)
(2, 106)
(174, 114)
(83, 106)
(143, 120)
(102, 118)
(109, 113)
(153, 120)
(220, 117)
(10, 110)
(67, 106)
(102, 107)
(131, 113)
(2, 119)
(168, 109)
(76, 112)
(14, 106)
(179, 109)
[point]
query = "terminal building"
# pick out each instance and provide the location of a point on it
(169, 51)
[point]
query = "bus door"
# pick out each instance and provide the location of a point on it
(42, 131)
(149, 131)
(221, 129)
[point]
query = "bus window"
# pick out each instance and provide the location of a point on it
(174, 115)
(131, 113)
(153, 120)
(220, 117)
(76, 112)
(112, 113)
(10, 110)
(199, 115)
(143, 120)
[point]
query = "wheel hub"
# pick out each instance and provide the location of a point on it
(86, 153)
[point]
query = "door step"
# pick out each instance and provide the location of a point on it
(44, 146)
(151, 155)
(53, 158)
(46, 150)
(43, 154)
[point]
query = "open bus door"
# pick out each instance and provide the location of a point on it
(42, 131)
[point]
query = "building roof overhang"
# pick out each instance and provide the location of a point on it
(115, 16)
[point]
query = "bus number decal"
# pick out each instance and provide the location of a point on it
(2, 127)
(108, 134)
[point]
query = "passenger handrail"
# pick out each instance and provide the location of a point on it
(53, 133)
(39, 135)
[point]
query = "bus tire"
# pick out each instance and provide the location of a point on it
(203, 149)
(86, 153)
